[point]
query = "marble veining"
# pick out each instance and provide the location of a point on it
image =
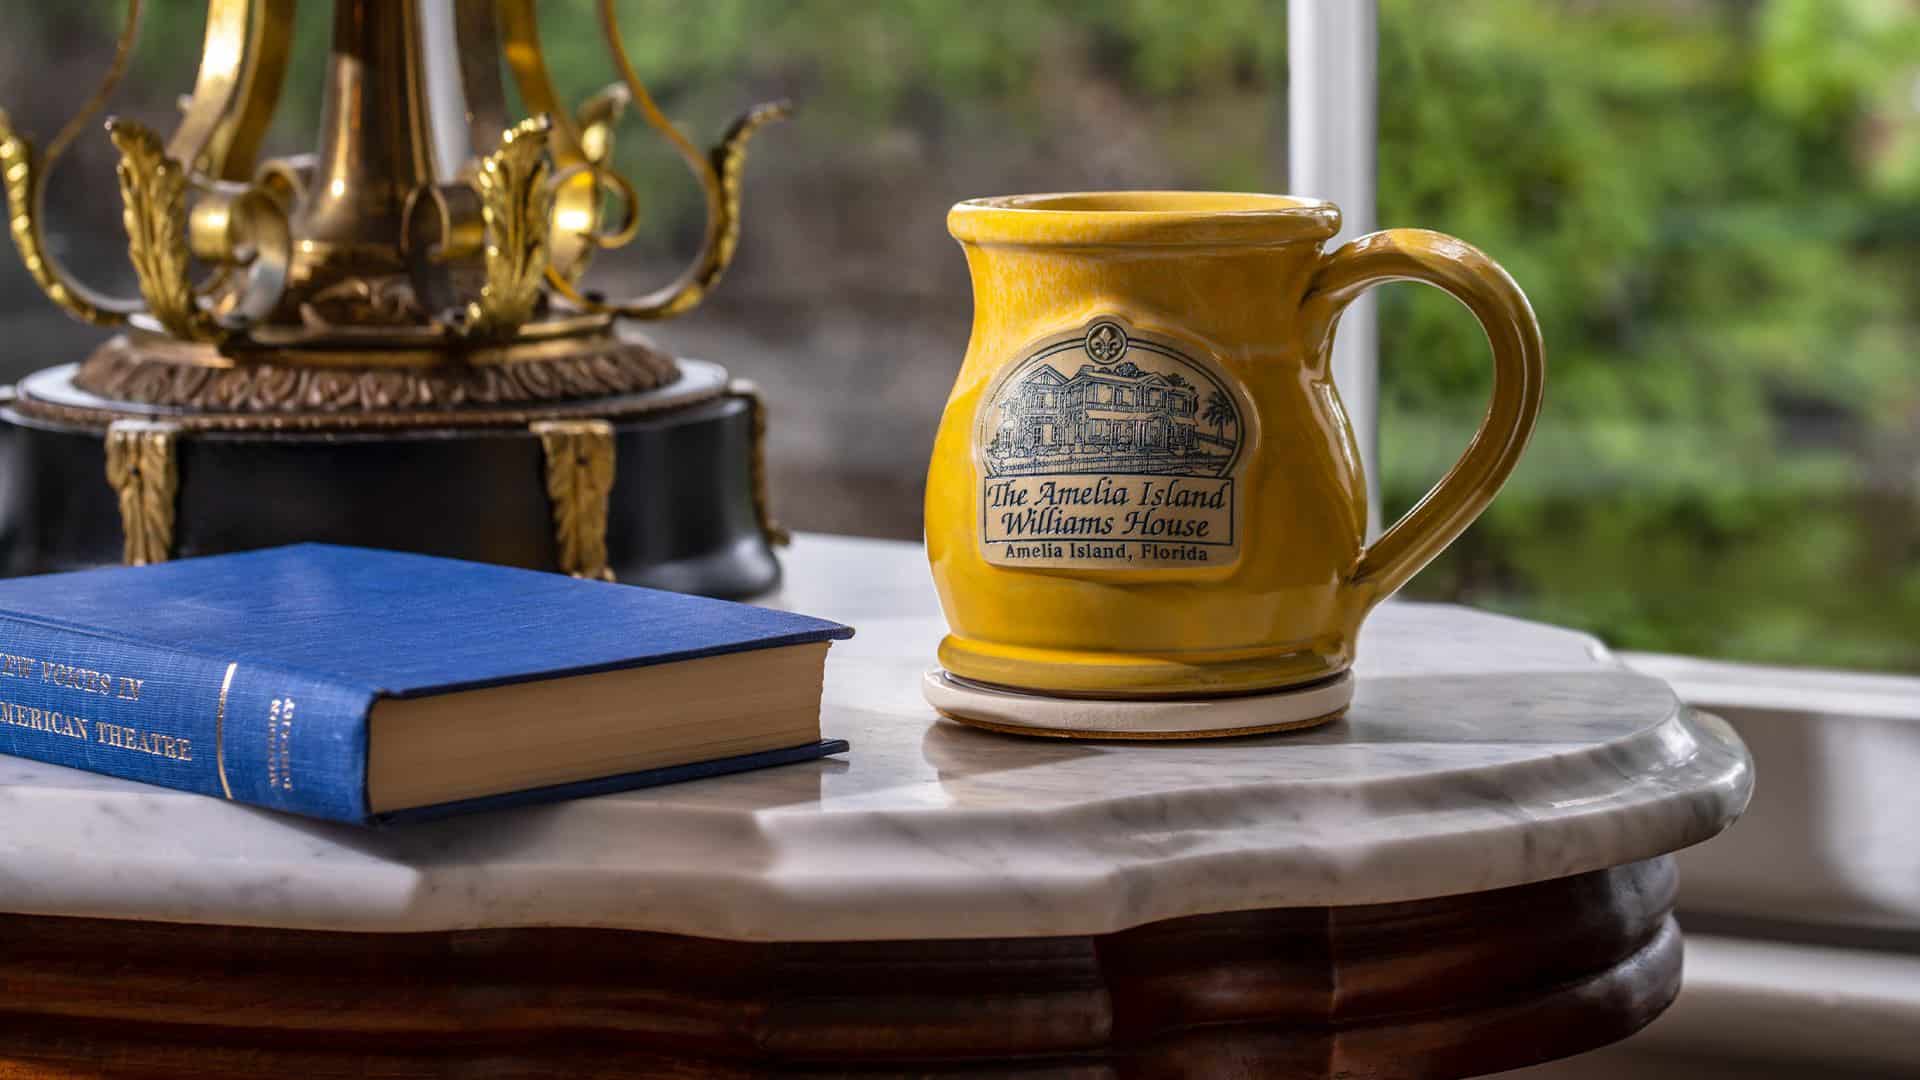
(1479, 752)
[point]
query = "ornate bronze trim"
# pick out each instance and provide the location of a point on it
(580, 472)
(777, 534)
(144, 474)
(162, 373)
(238, 423)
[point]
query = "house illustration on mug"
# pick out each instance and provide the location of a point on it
(1121, 407)
(1111, 417)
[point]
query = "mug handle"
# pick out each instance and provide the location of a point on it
(1519, 371)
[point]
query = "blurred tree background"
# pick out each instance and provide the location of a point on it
(1715, 208)
(1714, 205)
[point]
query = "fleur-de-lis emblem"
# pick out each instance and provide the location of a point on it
(1106, 343)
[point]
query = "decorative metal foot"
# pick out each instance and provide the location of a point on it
(143, 472)
(777, 534)
(579, 483)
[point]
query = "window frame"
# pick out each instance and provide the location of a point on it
(1332, 95)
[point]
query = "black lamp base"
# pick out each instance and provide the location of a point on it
(686, 510)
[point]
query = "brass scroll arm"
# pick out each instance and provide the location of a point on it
(26, 168)
(243, 62)
(719, 174)
(232, 225)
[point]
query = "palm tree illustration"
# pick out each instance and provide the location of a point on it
(1219, 414)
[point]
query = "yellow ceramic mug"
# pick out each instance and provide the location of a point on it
(1144, 483)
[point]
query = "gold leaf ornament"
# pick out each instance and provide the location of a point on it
(516, 205)
(153, 198)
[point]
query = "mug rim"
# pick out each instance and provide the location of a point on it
(1153, 217)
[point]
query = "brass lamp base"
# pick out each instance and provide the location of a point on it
(391, 340)
(661, 488)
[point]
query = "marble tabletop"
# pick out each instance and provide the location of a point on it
(1479, 752)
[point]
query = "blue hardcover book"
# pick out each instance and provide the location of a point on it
(364, 686)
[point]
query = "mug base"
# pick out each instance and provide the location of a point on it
(1018, 713)
(1070, 672)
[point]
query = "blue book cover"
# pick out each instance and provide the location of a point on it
(251, 676)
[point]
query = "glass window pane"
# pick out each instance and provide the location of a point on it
(1715, 207)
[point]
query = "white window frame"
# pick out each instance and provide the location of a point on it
(1332, 51)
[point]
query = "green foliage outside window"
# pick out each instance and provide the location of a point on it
(1716, 211)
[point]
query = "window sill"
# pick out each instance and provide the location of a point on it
(1829, 838)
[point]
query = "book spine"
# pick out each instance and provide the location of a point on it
(227, 728)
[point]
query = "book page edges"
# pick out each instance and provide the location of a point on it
(478, 743)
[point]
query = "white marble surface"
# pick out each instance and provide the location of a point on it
(1479, 752)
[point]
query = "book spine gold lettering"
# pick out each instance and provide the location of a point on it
(218, 726)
